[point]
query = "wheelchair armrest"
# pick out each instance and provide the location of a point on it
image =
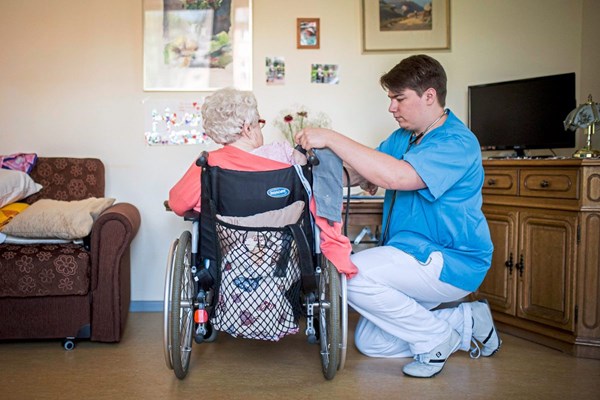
(191, 215)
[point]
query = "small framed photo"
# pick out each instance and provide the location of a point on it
(308, 33)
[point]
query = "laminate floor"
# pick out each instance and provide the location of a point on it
(290, 369)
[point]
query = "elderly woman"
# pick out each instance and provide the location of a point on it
(230, 117)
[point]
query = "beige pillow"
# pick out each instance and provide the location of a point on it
(274, 219)
(16, 185)
(57, 219)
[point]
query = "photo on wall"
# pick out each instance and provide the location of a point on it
(275, 70)
(308, 32)
(325, 73)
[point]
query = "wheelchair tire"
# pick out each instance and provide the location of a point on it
(181, 329)
(329, 319)
(167, 304)
(344, 320)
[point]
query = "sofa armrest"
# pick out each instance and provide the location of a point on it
(111, 236)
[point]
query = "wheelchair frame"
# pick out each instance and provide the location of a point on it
(187, 306)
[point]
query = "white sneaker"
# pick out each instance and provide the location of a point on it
(484, 330)
(430, 364)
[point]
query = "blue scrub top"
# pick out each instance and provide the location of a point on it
(446, 216)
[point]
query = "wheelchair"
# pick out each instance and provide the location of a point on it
(255, 282)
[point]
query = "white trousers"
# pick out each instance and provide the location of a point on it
(394, 294)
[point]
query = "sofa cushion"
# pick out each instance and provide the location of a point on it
(66, 178)
(15, 185)
(44, 270)
(57, 219)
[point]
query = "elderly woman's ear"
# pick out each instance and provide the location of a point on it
(246, 129)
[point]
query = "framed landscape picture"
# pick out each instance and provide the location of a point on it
(396, 25)
(197, 45)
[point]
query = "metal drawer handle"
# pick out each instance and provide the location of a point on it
(544, 183)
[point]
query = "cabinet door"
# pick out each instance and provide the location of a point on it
(548, 240)
(498, 286)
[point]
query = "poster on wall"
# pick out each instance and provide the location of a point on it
(197, 45)
(173, 122)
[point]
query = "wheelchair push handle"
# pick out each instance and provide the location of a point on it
(311, 158)
(202, 161)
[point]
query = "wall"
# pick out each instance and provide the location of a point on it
(71, 84)
(590, 60)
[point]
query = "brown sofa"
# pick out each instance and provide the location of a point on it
(70, 290)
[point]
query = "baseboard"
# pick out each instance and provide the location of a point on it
(146, 306)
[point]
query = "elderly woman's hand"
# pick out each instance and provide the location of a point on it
(369, 187)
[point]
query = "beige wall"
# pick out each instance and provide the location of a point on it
(71, 84)
(590, 59)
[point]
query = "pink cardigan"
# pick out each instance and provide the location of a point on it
(185, 195)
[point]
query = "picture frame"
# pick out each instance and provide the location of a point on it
(191, 45)
(426, 26)
(308, 33)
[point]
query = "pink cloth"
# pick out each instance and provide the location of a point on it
(280, 151)
(185, 195)
(335, 246)
(19, 161)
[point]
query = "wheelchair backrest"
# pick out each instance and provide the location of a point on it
(241, 193)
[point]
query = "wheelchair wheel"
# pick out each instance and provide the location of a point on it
(329, 319)
(167, 304)
(344, 320)
(181, 329)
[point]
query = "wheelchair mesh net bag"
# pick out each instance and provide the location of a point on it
(260, 280)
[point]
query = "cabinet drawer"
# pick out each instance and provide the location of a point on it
(500, 181)
(555, 183)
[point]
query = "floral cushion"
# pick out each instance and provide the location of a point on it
(53, 269)
(67, 179)
(44, 270)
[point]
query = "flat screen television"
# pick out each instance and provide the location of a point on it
(523, 114)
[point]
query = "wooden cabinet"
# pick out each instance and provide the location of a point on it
(544, 283)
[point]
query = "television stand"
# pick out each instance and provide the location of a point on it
(543, 284)
(520, 153)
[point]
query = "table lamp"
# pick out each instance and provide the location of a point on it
(586, 115)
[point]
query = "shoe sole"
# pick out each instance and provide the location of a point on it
(494, 330)
(431, 376)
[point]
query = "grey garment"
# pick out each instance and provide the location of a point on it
(327, 185)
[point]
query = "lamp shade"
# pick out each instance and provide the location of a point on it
(584, 115)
